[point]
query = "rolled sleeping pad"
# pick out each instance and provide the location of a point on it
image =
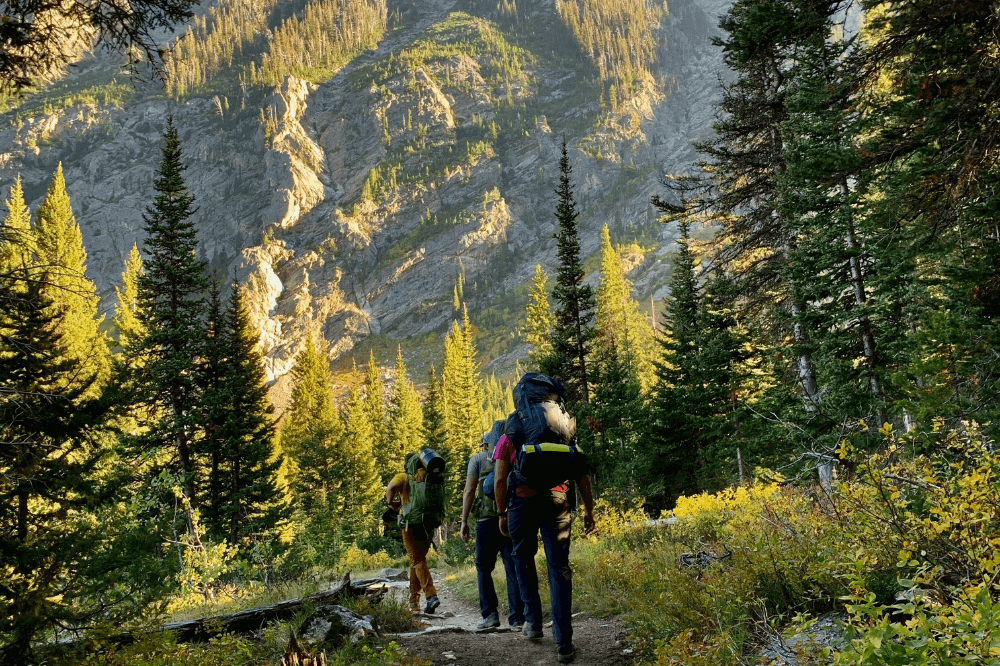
(431, 461)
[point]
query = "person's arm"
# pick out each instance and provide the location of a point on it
(588, 504)
(467, 495)
(500, 491)
(394, 488)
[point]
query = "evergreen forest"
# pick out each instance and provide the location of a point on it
(810, 413)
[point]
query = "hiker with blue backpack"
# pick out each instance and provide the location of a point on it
(537, 466)
(418, 494)
(477, 501)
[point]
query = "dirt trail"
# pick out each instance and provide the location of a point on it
(449, 638)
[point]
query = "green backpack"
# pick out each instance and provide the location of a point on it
(426, 505)
(483, 506)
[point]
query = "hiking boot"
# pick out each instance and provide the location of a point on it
(566, 653)
(516, 624)
(414, 607)
(528, 632)
(492, 621)
(432, 603)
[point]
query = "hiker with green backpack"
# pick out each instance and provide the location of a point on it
(489, 540)
(418, 493)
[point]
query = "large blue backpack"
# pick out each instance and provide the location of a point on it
(543, 434)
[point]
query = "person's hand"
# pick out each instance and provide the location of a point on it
(589, 524)
(503, 526)
(465, 531)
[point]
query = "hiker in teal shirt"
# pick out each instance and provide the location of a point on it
(489, 540)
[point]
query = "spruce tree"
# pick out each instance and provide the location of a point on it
(700, 390)
(622, 331)
(463, 396)
(312, 432)
(376, 409)
(172, 309)
(212, 371)
(48, 480)
(405, 430)
(17, 243)
(674, 458)
(246, 497)
(538, 321)
(573, 331)
(435, 415)
(62, 260)
(360, 483)
(127, 320)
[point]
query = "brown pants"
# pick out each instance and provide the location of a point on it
(417, 542)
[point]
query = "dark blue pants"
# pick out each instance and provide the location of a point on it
(490, 542)
(546, 513)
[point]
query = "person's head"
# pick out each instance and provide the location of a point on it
(491, 437)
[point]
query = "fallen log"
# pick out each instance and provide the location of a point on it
(252, 620)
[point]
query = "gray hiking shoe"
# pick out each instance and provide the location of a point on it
(432, 603)
(492, 621)
(528, 632)
(566, 653)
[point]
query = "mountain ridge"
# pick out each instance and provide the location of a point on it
(313, 196)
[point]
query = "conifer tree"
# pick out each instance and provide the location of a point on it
(172, 309)
(674, 456)
(406, 420)
(574, 301)
(48, 457)
(435, 415)
(360, 483)
(622, 331)
(17, 241)
(311, 433)
(616, 411)
(246, 499)
(538, 322)
(375, 408)
(498, 401)
(211, 379)
(463, 396)
(127, 320)
(62, 260)
(696, 401)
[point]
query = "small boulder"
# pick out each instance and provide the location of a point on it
(333, 624)
(395, 575)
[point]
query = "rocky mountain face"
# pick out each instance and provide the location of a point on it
(358, 207)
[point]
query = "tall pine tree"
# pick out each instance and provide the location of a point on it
(376, 409)
(62, 260)
(312, 432)
(48, 481)
(246, 500)
(361, 486)
(127, 321)
(538, 321)
(573, 332)
(17, 243)
(172, 309)
(405, 430)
